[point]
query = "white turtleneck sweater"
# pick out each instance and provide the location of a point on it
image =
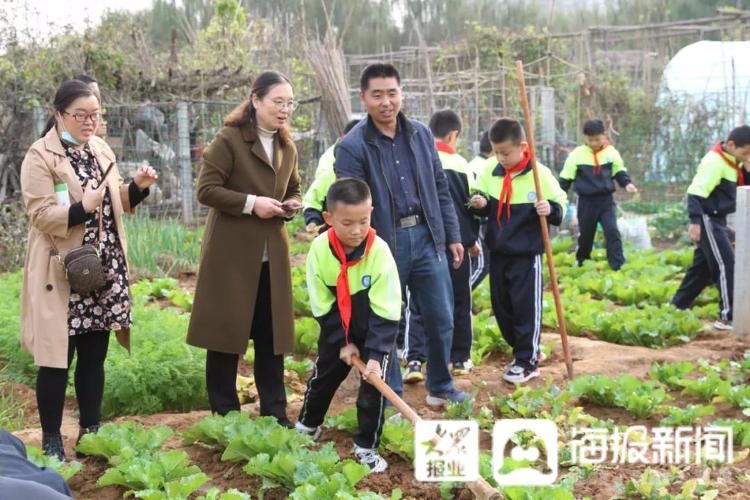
(266, 139)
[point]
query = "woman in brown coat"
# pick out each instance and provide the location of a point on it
(244, 280)
(65, 195)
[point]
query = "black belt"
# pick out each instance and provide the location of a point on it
(410, 221)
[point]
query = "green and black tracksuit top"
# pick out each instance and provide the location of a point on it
(512, 222)
(368, 313)
(593, 173)
(314, 201)
(460, 185)
(713, 191)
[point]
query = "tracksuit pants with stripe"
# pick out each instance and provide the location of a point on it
(516, 294)
(713, 262)
(414, 337)
(603, 210)
(327, 376)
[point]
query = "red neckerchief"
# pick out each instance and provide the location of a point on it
(343, 296)
(445, 148)
(507, 190)
(597, 166)
(740, 175)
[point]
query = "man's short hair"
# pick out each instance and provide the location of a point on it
(593, 127)
(83, 77)
(444, 122)
(485, 146)
(348, 191)
(506, 129)
(378, 70)
(740, 136)
(350, 125)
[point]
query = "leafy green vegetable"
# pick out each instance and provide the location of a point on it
(640, 398)
(264, 436)
(307, 332)
(295, 467)
(154, 472)
(118, 442)
(671, 374)
(686, 416)
(216, 494)
(66, 469)
(344, 421)
(705, 388)
(301, 367)
(217, 430)
(398, 438)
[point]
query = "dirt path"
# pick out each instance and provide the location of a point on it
(590, 357)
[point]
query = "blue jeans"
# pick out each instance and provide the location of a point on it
(425, 271)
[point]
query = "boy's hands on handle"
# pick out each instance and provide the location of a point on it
(372, 371)
(543, 208)
(694, 231)
(482, 489)
(347, 352)
(93, 197)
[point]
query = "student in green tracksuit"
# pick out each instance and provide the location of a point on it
(592, 169)
(711, 197)
(355, 295)
(446, 126)
(314, 201)
(507, 196)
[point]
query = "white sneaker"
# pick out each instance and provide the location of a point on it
(370, 458)
(720, 324)
(313, 432)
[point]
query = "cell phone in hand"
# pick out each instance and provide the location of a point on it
(290, 205)
(106, 172)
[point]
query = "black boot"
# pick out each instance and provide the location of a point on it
(92, 429)
(52, 445)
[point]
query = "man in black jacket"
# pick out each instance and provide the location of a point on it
(413, 213)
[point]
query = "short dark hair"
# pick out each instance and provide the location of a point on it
(506, 129)
(378, 70)
(740, 136)
(348, 191)
(350, 125)
(485, 146)
(593, 127)
(83, 77)
(444, 122)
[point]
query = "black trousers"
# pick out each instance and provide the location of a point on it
(516, 295)
(89, 382)
(221, 367)
(601, 210)
(713, 262)
(480, 265)
(326, 378)
(416, 349)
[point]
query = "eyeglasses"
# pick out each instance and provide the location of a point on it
(282, 104)
(81, 117)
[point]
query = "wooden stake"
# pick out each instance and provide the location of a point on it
(482, 489)
(741, 314)
(543, 220)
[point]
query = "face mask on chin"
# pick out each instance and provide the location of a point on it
(67, 137)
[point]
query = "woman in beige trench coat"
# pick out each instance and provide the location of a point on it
(65, 196)
(244, 280)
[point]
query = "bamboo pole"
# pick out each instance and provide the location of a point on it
(543, 220)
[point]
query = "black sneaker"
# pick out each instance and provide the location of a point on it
(52, 446)
(285, 422)
(461, 368)
(370, 458)
(518, 374)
